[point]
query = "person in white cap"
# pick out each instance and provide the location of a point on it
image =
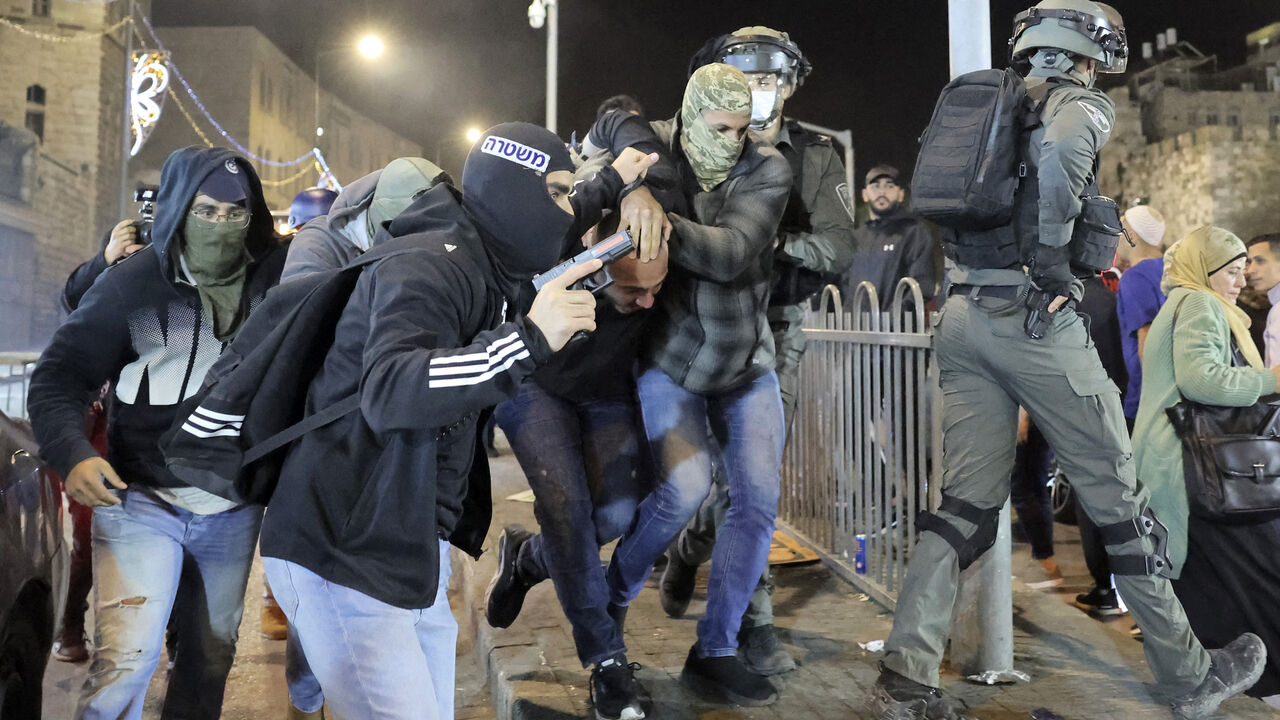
(1264, 276)
(1145, 226)
(1139, 297)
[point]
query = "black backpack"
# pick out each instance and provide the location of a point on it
(970, 163)
(231, 438)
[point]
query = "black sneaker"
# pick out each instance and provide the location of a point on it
(896, 697)
(676, 587)
(726, 680)
(1234, 669)
(614, 690)
(1099, 602)
(760, 651)
(505, 596)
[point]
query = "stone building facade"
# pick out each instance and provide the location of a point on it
(267, 103)
(1199, 144)
(61, 120)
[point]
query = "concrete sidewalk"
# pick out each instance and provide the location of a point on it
(1080, 669)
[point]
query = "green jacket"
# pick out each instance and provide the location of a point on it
(1187, 354)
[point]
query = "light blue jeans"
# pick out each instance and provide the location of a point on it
(139, 550)
(747, 424)
(373, 660)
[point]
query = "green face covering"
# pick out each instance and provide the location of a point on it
(712, 154)
(401, 180)
(214, 256)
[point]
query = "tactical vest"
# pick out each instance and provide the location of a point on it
(1010, 246)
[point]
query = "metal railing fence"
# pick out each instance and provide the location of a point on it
(864, 455)
(15, 377)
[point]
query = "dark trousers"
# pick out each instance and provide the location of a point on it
(584, 464)
(1095, 550)
(1029, 493)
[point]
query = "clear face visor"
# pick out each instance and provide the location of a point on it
(755, 58)
(1102, 31)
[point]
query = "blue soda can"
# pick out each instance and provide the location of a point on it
(860, 560)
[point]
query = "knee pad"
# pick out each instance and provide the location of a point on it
(968, 549)
(1145, 525)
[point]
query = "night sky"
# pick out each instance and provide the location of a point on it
(877, 65)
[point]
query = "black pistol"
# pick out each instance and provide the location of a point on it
(607, 250)
(1038, 316)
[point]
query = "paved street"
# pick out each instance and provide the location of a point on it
(1080, 669)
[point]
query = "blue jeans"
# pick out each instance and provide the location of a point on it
(304, 690)
(371, 658)
(584, 464)
(139, 549)
(747, 424)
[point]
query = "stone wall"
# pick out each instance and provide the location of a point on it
(1221, 175)
(74, 173)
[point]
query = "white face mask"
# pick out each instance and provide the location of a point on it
(764, 108)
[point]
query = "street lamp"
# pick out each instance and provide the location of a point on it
(547, 12)
(370, 47)
(471, 135)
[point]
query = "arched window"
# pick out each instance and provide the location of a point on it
(35, 110)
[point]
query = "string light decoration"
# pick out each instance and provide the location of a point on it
(327, 178)
(63, 38)
(150, 81)
(155, 39)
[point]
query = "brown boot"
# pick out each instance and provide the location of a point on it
(274, 624)
(71, 647)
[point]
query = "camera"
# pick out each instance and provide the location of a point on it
(145, 194)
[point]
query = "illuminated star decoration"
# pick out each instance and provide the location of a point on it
(150, 81)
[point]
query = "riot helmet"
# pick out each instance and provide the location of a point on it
(1080, 27)
(771, 61)
(308, 204)
(759, 49)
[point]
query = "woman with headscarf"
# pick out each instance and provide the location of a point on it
(1199, 348)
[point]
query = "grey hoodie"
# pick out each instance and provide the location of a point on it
(325, 242)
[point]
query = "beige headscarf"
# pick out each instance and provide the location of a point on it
(712, 154)
(1190, 262)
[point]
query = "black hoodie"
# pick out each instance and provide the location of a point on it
(362, 501)
(141, 326)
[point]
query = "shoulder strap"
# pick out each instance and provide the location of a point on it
(312, 422)
(338, 409)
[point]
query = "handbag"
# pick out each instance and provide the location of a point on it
(1230, 459)
(1230, 456)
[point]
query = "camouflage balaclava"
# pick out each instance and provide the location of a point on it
(712, 154)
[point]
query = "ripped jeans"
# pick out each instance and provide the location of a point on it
(142, 548)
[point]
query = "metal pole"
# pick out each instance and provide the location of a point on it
(982, 622)
(553, 52)
(315, 129)
(126, 132)
(969, 23)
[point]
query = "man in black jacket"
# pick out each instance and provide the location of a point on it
(152, 325)
(893, 244)
(356, 539)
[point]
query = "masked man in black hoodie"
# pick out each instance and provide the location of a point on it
(152, 325)
(356, 539)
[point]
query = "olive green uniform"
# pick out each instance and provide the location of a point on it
(989, 367)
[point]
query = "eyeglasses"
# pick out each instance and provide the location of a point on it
(235, 216)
